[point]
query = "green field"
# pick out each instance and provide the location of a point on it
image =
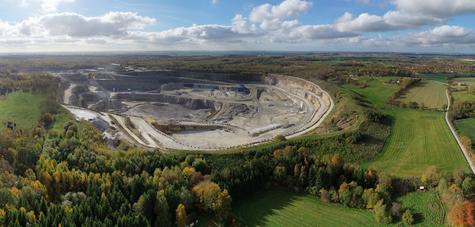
(441, 77)
(431, 94)
(22, 108)
(466, 80)
(279, 208)
(419, 139)
(377, 91)
(463, 96)
(427, 208)
(60, 120)
(466, 127)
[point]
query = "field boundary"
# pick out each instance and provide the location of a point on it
(454, 133)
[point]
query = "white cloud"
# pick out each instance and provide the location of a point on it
(266, 26)
(113, 24)
(288, 8)
(436, 8)
(315, 32)
(52, 5)
(442, 35)
(409, 14)
(271, 17)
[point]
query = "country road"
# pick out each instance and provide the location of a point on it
(452, 129)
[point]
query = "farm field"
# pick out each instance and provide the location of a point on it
(22, 108)
(427, 208)
(279, 208)
(431, 94)
(419, 139)
(466, 127)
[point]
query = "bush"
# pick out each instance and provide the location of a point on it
(407, 217)
(381, 215)
(46, 120)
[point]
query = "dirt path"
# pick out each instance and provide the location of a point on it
(459, 142)
(68, 93)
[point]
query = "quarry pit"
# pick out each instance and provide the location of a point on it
(195, 111)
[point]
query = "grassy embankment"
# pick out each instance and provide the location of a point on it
(418, 139)
(22, 108)
(279, 208)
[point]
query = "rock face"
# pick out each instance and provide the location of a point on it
(190, 103)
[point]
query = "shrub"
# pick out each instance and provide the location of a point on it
(407, 217)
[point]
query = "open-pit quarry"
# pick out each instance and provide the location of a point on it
(195, 111)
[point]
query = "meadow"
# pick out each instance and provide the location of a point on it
(280, 208)
(430, 94)
(418, 140)
(427, 208)
(441, 77)
(377, 90)
(466, 127)
(466, 80)
(22, 108)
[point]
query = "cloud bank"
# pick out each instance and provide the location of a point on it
(267, 26)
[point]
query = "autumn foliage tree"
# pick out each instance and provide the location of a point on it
(212, 199)
(462, 214)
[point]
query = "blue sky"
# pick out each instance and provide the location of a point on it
(315, 25)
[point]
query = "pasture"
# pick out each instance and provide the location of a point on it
(419, 139)
(427, 208)
(280, 208)
(22, 108)
(430, 94)
(466, 127)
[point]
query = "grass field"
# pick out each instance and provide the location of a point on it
(419, 139)
(431, 94)
(377, 92)
(22, 108)
(467, 80)
(466, 127)
(463, 96)
(441, 77)
(279, 208)
(427, 208)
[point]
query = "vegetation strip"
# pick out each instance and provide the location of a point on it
(454, 133)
